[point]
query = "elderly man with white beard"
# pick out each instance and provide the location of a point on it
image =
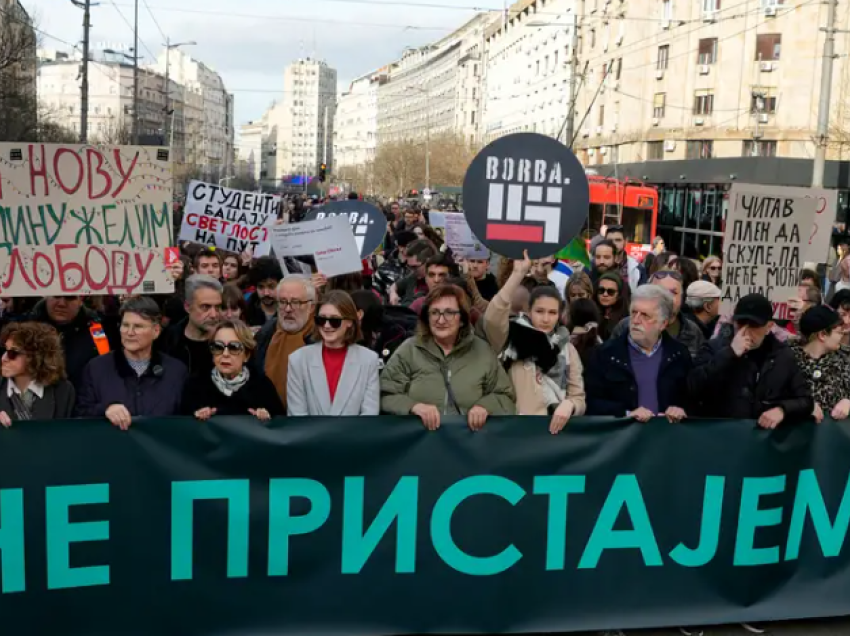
(643, 372)
(278, 339)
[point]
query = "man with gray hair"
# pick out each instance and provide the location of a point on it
(188, 339)
(278, 339)
(643, 372)
(703, 300)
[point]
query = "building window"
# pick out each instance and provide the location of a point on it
(667, 10)
(619, 70)
(707, 51)
(703, 103)
(759, 148)
(663, 57)
(762, 101)
(658, 105)
(593, 38)
(601, 115)
(700, 149)
(710, 7)
(654, 150)
(768, 46)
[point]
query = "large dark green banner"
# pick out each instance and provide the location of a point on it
(375, 526)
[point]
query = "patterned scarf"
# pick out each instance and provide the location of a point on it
(229, 387)
(529, 345)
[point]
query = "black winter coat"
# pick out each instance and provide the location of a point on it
(258, 393)
(610, 382)
(77, 341)
(725, 385)
(174, 344)
(110, 380)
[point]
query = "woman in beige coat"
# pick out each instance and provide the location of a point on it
(545, 368)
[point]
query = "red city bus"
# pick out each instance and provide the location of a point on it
(628, 202)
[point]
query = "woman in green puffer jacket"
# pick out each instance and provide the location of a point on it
(445, 369)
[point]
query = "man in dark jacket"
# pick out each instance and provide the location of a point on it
(187, 340)
(84, 336)
(264, 276)
(750, 375)
(412, 287)
(680, 328)
(479, 269)
(394, 268)
(135, 379)
(643, 372)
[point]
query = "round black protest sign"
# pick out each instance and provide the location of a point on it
(526, 192)
(367, 222)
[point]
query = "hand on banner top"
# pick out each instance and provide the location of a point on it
(247, 256)
(368, 223)
(526, 191)
(320, 281)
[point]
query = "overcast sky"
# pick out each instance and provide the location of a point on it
(251, 42)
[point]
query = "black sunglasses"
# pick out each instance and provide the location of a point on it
(607, 291)
(334, 322)
(12, 354)
(218, 348)
(667, 274)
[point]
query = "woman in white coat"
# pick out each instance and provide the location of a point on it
(335, 376)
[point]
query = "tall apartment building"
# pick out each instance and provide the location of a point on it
(304, 119)
(528, 72)
(18, 115)
(436, 89)
(356, 124)
(212, 149)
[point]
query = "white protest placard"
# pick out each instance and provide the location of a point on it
(328, 240)
(764, 245)
(229, 219)
(460, 238)
(84, 220)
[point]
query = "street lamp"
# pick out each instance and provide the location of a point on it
(169, 129)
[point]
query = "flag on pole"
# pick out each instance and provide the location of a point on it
(575, 252)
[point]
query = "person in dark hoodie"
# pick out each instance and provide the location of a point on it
(84, 335)
(264, 276)
(746, 373)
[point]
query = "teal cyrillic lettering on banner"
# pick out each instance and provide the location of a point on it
(750, 518)
(401, 505)
(12, 565)
(183, 496)
(282, 525)
(559, 488)
(625, 493)
(809, 499)
(709, 532)
(441, 520)
(61, 533)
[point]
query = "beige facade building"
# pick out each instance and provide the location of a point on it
(699, 80)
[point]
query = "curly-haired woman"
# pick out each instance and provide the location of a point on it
(33, 369)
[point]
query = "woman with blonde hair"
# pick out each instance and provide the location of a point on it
(335, 376)
(33, 368)
(231, 388)
(712, 268)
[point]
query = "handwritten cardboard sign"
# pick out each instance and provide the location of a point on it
(84, 220)
(228, 219)
(765, 244)
(328, 240)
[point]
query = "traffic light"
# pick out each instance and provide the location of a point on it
(323, 173)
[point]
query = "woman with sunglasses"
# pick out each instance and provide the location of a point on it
(613, 302)
(712, 268)
(33, 368)
(335, 376)
(231, 388)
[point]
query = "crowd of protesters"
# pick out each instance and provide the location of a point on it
(424, 332)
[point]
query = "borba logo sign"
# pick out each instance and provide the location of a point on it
(514, 209)
(526, 192)
(359, 225)
(368, 223)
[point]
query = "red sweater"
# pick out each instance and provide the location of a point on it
(333, 359)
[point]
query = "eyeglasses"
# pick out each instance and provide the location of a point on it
(294, 304)
(12, 354)
(667, 274)
(333, 321)
(218, 348)
(448, 314)
(608, 291)
(715, 268)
